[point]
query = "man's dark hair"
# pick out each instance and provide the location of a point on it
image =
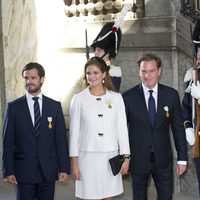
(34, 65)
(149, 57)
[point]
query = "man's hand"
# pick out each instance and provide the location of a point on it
(195, 90)
(190, 137)
(180, 169)
(62, 176)
(11, 179)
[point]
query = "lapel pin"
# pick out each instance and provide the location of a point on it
(108, 103)
(109, 106)
(50, 122)
(167, 111)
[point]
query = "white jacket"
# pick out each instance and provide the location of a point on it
(98, 124)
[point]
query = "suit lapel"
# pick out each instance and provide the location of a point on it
(142, 103)
(160, 105)
(44, 114)
(27, 113)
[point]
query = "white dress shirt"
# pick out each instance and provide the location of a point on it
(30, 103)
(147, 94)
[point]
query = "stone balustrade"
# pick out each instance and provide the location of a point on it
(98, 10)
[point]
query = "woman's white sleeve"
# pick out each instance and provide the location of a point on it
(74, 116)
(122, 128)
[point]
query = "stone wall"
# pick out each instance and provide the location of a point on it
(19, 40)
(2, 79)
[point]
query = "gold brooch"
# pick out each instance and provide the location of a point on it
(109, 106)
(108, 103)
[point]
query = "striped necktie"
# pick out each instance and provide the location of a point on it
(37, 116)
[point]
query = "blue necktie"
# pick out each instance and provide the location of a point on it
(152, 108)
(37, 116)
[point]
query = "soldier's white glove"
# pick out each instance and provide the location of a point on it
(190, 137)
(195, 90)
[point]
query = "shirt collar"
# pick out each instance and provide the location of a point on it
(29, 96)
(146, 90)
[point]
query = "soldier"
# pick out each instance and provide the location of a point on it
(192, 92)
(106, 45)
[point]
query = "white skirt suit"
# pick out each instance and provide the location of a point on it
(98, 131)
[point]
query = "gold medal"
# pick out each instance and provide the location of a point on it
(167, 111)
(50, 125)
(50, 122)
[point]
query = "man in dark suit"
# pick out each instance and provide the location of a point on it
(152, 109)
(35, 151)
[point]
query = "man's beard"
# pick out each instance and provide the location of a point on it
(32, 89)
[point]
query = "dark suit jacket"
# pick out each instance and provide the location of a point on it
(23, 151)
(142, 136)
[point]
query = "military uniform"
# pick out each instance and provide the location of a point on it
(187, 103)
(109, 39)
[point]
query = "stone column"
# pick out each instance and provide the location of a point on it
(18, 43)
(157, 8)
(2, 80)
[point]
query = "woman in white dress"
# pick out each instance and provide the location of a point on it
(98, 132)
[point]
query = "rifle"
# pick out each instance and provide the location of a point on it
(195, 106)
(87, 50)
(196, 150)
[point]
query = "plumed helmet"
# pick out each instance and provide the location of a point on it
(196, 35)
(108, 39)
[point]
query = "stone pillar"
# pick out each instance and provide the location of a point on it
(2, 79)
(157, 8)
(17, 47)
(19, 42)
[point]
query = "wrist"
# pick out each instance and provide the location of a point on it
(187, 124)
(126, 157)
(73, 161)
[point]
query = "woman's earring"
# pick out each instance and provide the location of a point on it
(103, 81)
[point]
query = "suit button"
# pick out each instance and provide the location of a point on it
(100, 134)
